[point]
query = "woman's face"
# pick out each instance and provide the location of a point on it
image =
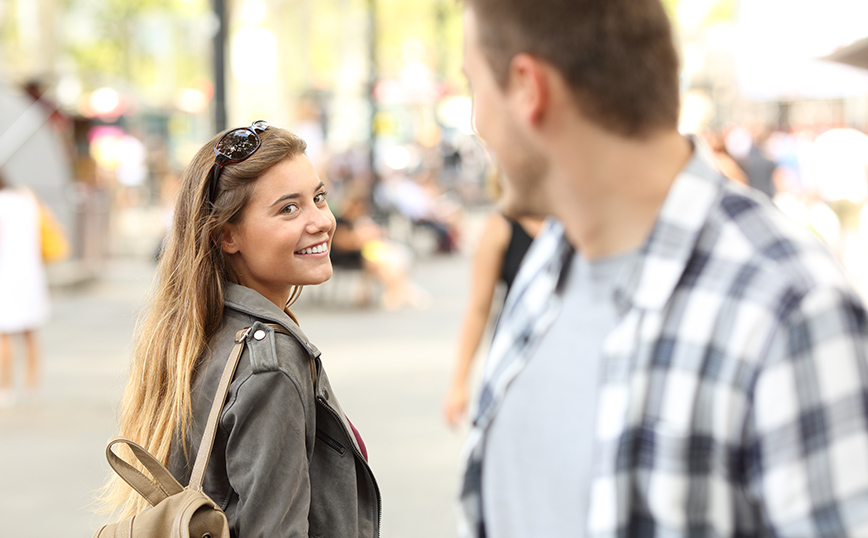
(284, 235)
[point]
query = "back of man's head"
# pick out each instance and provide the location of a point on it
(618, 56)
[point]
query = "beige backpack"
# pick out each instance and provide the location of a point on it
(176, 511)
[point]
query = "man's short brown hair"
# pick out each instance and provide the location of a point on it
(618, 56)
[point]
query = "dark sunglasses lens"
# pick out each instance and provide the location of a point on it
(238, 144)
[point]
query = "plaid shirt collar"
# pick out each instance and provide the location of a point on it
(665, 254)
(528, 311)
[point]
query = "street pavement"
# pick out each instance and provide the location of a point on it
(389, 370)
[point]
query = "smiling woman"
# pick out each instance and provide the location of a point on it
(251, 227)
(282, 238)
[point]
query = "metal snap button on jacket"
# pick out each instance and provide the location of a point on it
(259, 335)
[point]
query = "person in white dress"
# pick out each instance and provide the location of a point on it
(24, 302)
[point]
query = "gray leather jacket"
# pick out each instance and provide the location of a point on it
(285, 461)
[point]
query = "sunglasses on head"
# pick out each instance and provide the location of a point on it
(233, 147)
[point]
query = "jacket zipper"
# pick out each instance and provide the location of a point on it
(333, 443)
(361, 458)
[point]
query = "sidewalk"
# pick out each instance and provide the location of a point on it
(389, 369)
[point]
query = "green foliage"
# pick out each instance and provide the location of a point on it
(428, 31)
(721, 11)
(114, 53)
(327, 28)
(672, 7)
(435, 24)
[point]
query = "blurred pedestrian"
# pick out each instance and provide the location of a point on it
(747, 149)
(675, 357)
(24, 301)
(360, 243)
(251, 227)
(724, 160)
(424, 205)
(502, 245)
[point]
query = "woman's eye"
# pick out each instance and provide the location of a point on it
(289, 209)
(321, 197)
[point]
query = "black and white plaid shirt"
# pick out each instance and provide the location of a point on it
(733, 396)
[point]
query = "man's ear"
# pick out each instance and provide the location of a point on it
(530, 87)
(229, 239)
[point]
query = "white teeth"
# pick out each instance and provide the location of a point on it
(314, 250)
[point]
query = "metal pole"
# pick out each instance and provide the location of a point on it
(220, 66)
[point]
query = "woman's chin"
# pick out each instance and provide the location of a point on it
(318, 278)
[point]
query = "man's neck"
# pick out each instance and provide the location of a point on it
(610, 189)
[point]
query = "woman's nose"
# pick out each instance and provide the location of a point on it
(320, 222)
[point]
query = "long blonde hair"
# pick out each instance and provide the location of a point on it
(186, 304)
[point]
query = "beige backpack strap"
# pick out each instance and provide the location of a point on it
(165, 485)
(204, 454)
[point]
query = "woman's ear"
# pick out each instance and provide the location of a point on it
(229, 239)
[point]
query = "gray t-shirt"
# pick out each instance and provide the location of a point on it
(536, 469)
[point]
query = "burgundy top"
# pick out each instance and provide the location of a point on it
(359, 439)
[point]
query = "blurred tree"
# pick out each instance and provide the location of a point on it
(723, 11)
(428, 30)
(671, 6)
(147, 44)
(715, 11)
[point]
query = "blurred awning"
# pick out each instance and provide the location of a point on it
(33, 154)
(781, 47)
(855, 54)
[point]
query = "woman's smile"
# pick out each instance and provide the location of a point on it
(317, 250)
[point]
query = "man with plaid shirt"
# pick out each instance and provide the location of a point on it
(675, 357)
